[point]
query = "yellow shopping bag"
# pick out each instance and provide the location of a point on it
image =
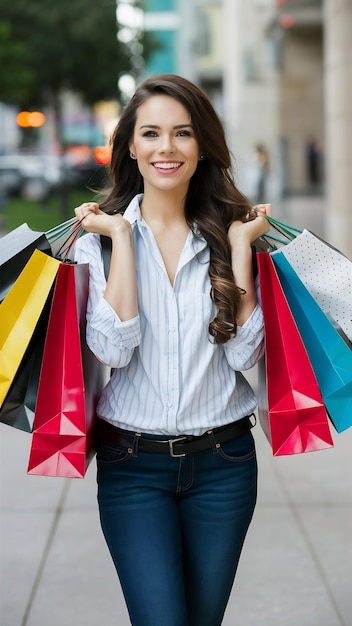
(20, 312)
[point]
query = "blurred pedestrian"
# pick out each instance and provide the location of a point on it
(261, 158)
(177, 321)
(314, 157)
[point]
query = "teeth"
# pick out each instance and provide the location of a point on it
(167, 166)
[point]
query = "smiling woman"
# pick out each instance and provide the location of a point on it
(165, 145)
(175, 319)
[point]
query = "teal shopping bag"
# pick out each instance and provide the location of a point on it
(329, 354)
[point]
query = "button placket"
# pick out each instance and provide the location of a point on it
(173, 361)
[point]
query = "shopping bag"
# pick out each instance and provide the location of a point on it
(62, 237)
(18, 407)
(290, 407)
(15, 251)
(70, 384)
(326, 273)
(20, 312)
(329, 354)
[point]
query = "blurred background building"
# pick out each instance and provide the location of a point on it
(261, 62)
(278, 73)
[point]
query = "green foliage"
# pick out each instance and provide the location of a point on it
(15, 78)
(49, 45)
(40, 216)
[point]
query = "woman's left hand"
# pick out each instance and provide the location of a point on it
(253, 228)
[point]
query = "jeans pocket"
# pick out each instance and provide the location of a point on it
(239, 449)
(111, 454)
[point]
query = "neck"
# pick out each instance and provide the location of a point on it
(158, 205)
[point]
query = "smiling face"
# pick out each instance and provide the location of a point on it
(165, 145)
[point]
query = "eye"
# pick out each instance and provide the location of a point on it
(183, 133)
(150, 133)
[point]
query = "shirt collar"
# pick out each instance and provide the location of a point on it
(134, 216)
(133, 211)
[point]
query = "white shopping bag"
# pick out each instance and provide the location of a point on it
(326, 273)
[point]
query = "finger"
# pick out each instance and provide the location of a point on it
(86, 209)
(264, 209)
(90, 207)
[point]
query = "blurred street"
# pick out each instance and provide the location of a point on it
(296, 566)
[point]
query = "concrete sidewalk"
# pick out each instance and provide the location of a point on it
(296, 567)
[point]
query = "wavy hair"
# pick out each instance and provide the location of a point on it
(213, 201)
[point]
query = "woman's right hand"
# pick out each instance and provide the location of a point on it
(121, 286)
(94, 220)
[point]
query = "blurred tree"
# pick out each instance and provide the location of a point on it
(50, 46)
(15, 79)
(70, 44)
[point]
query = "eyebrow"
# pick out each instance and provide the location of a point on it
(158, 127)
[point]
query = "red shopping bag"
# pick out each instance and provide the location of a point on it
(290, 407)
(71, 380)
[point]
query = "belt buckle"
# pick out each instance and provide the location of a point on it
(171, 443)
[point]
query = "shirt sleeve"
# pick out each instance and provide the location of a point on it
(247, 347)
(111, 340)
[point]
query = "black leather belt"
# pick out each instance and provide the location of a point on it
(177, 446)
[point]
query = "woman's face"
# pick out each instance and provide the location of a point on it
(165, 145)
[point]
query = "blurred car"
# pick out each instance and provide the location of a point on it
(31, 175)
(86, 171)
(90, 174)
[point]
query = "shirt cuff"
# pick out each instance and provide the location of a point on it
(252, 326)
(124, 335)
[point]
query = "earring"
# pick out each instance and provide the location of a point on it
(132, 155)
(202, 157)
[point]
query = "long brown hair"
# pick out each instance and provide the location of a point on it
(213, 201)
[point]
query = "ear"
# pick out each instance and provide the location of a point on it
(131, 147)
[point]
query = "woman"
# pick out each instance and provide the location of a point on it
(177, 320)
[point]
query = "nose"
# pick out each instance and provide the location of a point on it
(166, 144)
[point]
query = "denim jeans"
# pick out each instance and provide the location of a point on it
(175, 528)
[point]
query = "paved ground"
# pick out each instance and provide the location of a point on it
(296, 567)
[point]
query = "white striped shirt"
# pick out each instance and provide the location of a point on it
(169, 377)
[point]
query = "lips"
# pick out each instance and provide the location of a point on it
(167, 166)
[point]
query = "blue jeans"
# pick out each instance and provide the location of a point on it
(175, 528)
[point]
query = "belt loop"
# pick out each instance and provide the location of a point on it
(254, 422)
(136, 440)
(214, 444)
